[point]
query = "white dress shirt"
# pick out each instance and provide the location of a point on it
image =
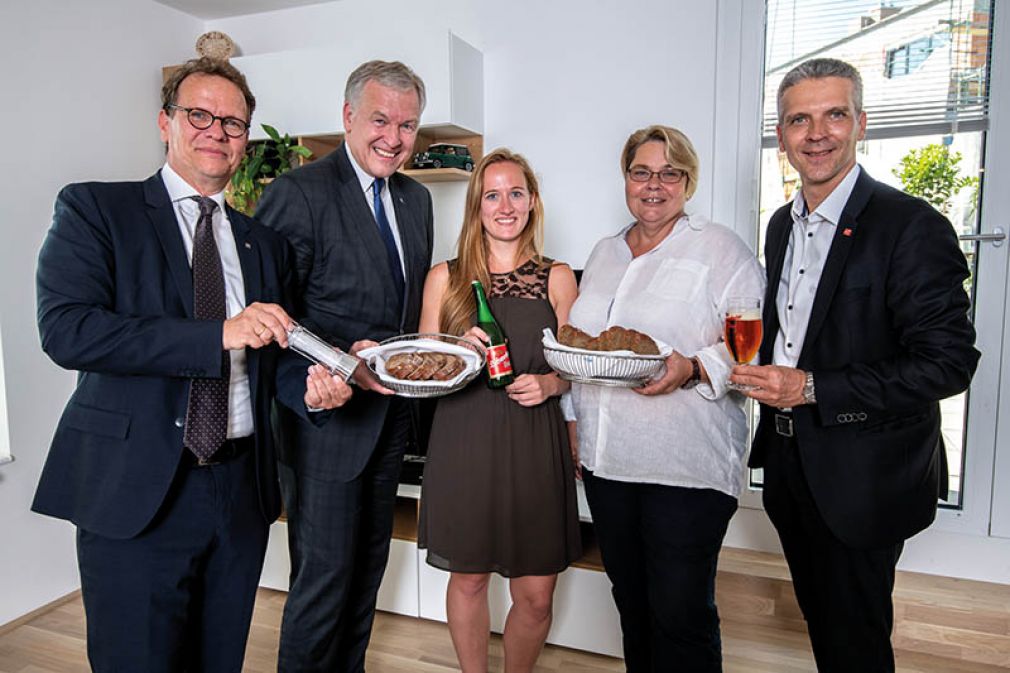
(809, 243)
(366, 181)
(676, 293)
(187, 213)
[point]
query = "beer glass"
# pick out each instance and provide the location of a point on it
(742, 331)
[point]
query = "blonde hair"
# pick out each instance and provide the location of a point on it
(679, 152)
(458, 305)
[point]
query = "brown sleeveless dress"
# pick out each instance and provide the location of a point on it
(498, 493)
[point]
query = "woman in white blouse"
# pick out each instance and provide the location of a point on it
(663, 464)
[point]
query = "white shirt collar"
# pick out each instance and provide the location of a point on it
(830, 209)
(364, 178)
(179, 189)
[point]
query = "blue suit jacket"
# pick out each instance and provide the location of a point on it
(345, 292)
(115, 302)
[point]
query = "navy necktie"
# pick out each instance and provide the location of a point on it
(207, 413)
(387, 238)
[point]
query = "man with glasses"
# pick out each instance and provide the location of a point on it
(362, 234)
(866, 330)
(168, 303)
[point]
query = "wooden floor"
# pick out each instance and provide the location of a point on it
(53, 642)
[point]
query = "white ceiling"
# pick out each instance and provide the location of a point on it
(219, 9)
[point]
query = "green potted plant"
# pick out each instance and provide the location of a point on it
(263, 161)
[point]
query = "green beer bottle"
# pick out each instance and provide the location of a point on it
(499, 365)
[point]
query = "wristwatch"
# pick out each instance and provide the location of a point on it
(809, 394)
(695, 377)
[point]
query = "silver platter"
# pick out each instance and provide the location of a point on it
(419, 390)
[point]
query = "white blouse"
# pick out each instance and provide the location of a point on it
(676, 293)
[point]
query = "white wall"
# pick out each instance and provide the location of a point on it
(564, 84)
(80, 85)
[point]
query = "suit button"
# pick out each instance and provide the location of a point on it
(179, 422)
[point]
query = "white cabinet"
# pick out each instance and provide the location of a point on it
(301, 91)
(399, 589)
(277, 563)
(585, 617)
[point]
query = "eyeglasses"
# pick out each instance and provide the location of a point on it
(202, 119)
(668, 176)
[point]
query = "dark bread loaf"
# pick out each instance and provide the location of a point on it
(615, 338)
(424, 366)
(570, 335)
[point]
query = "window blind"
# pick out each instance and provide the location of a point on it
(924, 64)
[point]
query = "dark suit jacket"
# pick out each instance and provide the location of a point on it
(345, 292)
(888, 337)
(115, 302)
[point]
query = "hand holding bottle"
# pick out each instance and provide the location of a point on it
(499, 364)
(476, 336)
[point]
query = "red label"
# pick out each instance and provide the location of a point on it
(498, 362)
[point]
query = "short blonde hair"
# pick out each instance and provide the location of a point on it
(679, 152)
(392, 74)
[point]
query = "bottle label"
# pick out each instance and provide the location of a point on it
(498, 362)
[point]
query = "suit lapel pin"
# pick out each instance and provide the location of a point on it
(845, 232)
(248, 245)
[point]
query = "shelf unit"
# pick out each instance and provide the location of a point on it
(323, 144)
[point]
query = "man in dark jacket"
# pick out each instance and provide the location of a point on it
(866, 330)
(167, 302)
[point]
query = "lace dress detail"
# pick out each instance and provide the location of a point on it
(527, 281)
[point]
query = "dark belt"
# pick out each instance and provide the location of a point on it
(784, 424)
(230, 450)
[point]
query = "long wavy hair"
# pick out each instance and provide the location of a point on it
(458, 304)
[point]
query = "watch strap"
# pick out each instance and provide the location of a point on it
(695, 377)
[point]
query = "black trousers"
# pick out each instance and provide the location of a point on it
(179, 596)
(338, 538)
(844, 593)
(660, 546)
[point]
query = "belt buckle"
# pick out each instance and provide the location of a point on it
(784, 425)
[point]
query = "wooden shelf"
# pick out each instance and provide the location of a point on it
(430, 175)
(323, 144)
(591, 559)
(405, 519)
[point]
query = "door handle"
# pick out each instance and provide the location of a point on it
(996, 237)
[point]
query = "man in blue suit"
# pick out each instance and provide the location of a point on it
(362, 234)
(168, 303)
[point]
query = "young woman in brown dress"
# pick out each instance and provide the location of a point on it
(499, 489)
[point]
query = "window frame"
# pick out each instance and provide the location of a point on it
(986, 501)
(5, 445)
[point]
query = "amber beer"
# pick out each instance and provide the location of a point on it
(743, 337)
(743, 329)
(499, 364)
